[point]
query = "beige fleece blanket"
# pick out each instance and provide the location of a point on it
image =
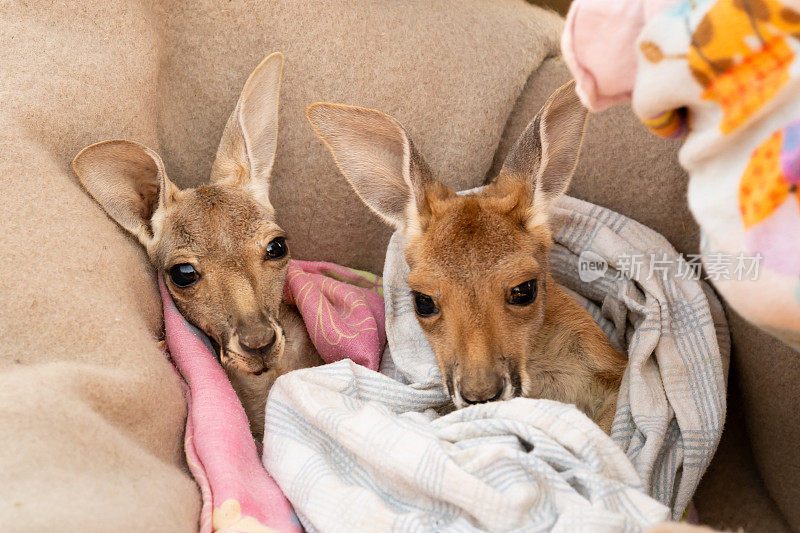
(91, 414)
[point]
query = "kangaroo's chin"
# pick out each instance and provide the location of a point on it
(248, 364)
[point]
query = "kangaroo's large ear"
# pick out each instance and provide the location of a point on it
(128, 180)
(247, 149)
(375, 154)
(546, 154)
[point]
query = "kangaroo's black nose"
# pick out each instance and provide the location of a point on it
(488, 392)
(257, 338)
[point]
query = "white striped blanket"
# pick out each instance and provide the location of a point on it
(357, 450)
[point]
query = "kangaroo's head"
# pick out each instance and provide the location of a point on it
(478, 263)
(222, 255)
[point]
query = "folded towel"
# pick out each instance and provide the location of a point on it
(356, 450)
(344, 320)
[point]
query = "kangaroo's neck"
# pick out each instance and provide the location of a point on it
(569, 331)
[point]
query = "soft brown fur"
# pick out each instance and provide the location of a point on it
(222, 229)
(467, 253)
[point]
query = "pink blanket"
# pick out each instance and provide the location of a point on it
(343, 311)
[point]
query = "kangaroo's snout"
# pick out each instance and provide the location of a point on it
(258, 346)
(482, 391)
(481, 385)
(255, 344)
(256, 334)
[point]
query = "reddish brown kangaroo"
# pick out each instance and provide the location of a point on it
(499, 324)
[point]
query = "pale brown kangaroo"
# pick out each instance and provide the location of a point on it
(499, 324)
(221, 253)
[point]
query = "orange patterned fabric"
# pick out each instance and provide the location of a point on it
(763, 187)
(748, 86)
(740, 54)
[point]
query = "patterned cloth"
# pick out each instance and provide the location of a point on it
(731, 68)
(725, 72)
(341, 308)
(356, 450)
(345, 317)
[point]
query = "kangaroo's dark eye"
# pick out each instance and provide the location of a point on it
(183, 275)
(276, 248)
(524, 293)
(423, 304)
